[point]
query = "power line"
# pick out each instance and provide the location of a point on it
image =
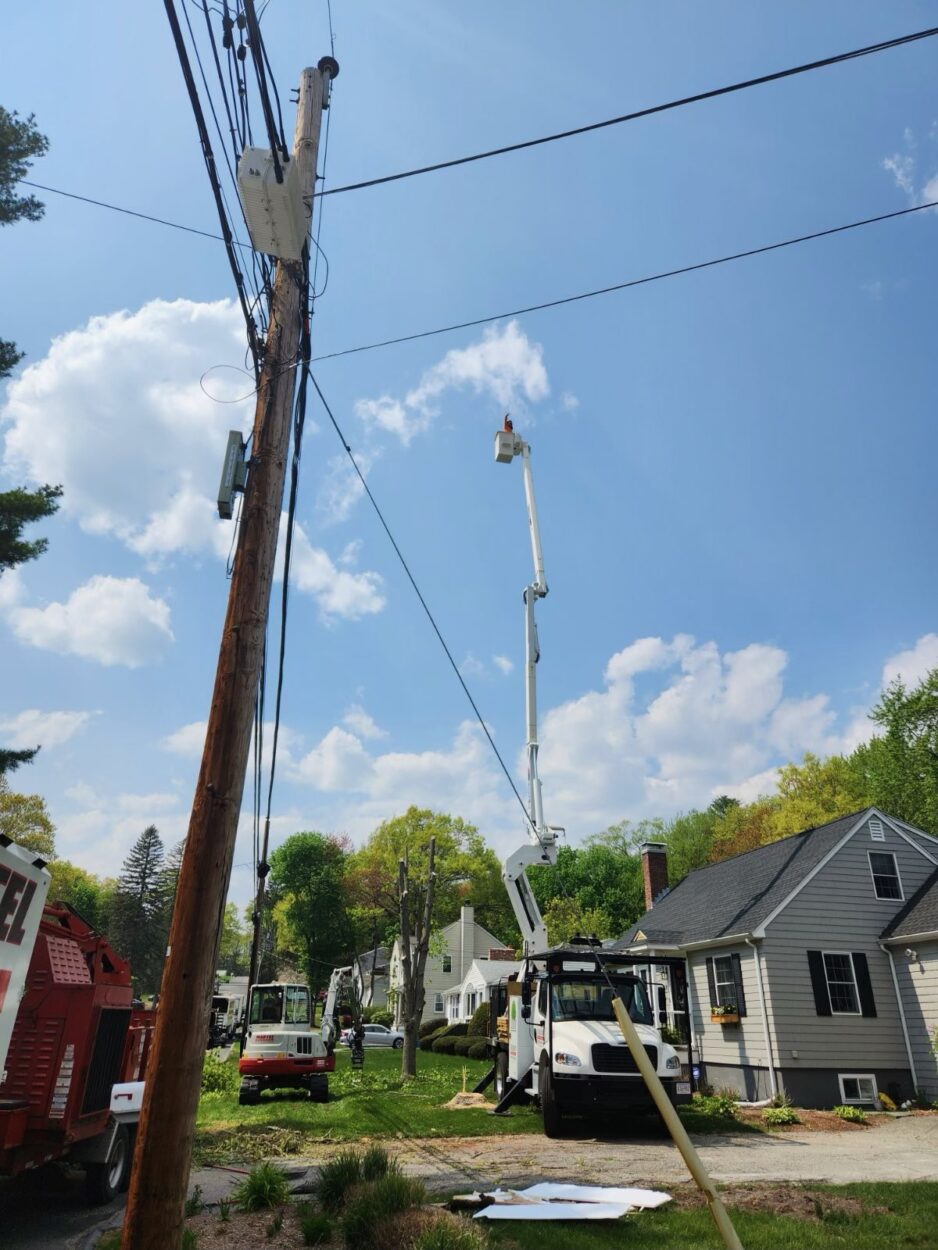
(130, 212)
(623, 286)
(712, 94)
(419, 594)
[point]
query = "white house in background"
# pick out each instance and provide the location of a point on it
(476, 987)
(456, 947)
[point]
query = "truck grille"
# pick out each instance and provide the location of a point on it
(105, 1062)
(608, 1058)
(304, 1045)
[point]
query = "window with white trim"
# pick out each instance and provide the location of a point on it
(437, 1003)
(447, 963)
(858, 1089)
(885, 873)
(725, 982)
(841, 983)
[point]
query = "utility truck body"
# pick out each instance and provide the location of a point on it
(73, 1048)
(226, 1019)
(556, 1038)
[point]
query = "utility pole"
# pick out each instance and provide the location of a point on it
(160, 1178)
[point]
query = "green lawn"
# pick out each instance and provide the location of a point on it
(909, 1220)
(374, 1103)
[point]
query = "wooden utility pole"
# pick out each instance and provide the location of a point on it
(160, 1179)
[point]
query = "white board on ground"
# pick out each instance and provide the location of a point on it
(549, 1201)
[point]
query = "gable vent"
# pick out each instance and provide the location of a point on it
(877, 832)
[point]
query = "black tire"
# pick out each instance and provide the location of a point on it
(248, 1096)
(398, 1043)
(104, 1181)
(553, 1120)
(502, 1081)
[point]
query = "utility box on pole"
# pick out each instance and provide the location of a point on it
(274, 211)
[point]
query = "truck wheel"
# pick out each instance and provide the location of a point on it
(502, 1083)
(553, 1120)
(104, 1181)
(249, 1094)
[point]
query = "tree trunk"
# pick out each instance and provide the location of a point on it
(414, 958)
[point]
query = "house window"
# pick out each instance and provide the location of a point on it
(470, 1003)
(858, 1089)
(447, 963)
(438, 1003)
(885, 872)
(725, 981)
(841, 983)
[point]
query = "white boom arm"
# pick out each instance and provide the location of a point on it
(341, 986)
(542, 849)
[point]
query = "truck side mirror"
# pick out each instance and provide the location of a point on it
(526, 999)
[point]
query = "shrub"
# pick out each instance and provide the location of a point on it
(436, 1025)
(479, 1024)
(315, 1228)
(218, 1075)
(376, 1162)
(461, 1045)
(370, 1207)
(194, 1204)
(781, 1099)
(721, 1106)
(444, 1045)
(451, 1236)
(337, 1177)
(264, 1186)
(479, 1050)
(670, 1035)
(274, 1227)
(780, 1115)
(853, 1114)
(426, 1043)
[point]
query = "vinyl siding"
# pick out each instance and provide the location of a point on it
(918, 985)
(838, 911)
(740, 1044)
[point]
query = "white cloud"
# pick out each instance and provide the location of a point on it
(114, 412)
(473, 667)
(100, 829)
(338, 762)
(914, 664)
(504, 364)
(359, 722)
(904, 167)
(109, 619)
(187, 741)
(339, 592)
(47, 729)
(569, 401)
(503, 664)
(341, 487)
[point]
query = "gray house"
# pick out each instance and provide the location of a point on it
(811, 963)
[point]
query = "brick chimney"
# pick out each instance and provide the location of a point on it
(654, 871)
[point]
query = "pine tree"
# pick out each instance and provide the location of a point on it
(138, 910)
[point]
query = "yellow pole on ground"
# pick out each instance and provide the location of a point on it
(676, 1129)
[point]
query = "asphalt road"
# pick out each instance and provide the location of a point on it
(45, 1209)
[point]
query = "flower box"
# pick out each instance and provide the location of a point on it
(724, 1017)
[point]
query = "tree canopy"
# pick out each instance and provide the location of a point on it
(307, 886)
(25, 819)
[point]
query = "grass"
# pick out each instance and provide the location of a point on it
(264, 1187)
(375, 1103)
(899, 1215)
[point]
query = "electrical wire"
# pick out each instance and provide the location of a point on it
(209, 159)
(712, 94)
(423, 603)
(632, 282)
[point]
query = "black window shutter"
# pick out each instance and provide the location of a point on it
(738, 980)
(861, 970)
(711, 983)
(822, 999)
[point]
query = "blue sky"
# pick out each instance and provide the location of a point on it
(734, 469)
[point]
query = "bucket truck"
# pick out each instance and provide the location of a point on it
(553, 1030)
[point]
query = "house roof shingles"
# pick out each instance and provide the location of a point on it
(920, 914)
(737, 894)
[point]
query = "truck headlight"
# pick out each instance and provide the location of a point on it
(672, 1063)
(569, 1061)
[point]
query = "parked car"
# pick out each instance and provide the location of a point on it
(376, 1035)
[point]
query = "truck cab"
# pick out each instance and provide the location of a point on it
(281, 1050)
(557, 1039)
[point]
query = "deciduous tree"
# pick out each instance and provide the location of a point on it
(25, 819)
(307, 874)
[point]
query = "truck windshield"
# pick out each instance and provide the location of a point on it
(579, 998)
(267, 1005)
